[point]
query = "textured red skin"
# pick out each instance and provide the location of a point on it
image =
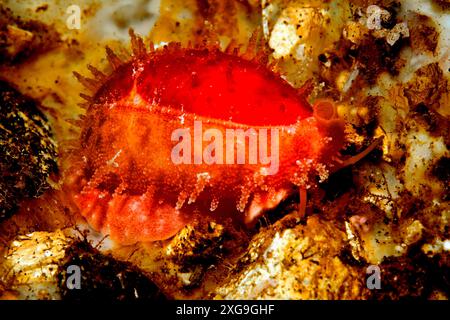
(132, 187)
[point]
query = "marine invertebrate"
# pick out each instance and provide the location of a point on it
(127, 183)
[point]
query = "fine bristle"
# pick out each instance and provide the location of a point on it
(231, 46)
(96, 73)
(113, 59)
(83, 105)
(88, 83)
(86, 97)
(252, 46)
(75, 122)
(137, 44)
(273, 65)
(307, 88)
